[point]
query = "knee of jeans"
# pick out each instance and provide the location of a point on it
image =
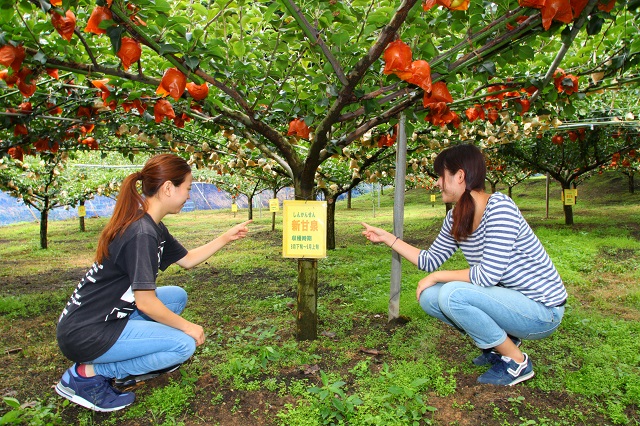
(174, 295)
(450, 295)
(180, 293)
(429, 300)
(186, 348)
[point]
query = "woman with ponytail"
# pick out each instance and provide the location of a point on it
(510, 292)
(117, 324)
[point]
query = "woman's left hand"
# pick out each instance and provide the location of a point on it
(237, 232)
(425, 283)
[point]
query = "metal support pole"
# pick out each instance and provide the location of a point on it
(398, 219)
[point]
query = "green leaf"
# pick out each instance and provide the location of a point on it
(396, 390)
(595, 25)
(168, 48)
(525, 53)
(487, 67)
(267, 13)
(115, 35)
(566, 35)
(199, 9)
(40, 57)
(45, 6)
(11, 402)
(340, 39)
(191, 62)
(381, 15)
(180, 20)
(162, 6)
(618, 61)
(238, 48)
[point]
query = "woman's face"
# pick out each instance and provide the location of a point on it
(180, 194)
(452, 185)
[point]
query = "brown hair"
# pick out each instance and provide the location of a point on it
(470, 159)
(131, 205)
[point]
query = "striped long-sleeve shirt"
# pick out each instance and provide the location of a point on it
(504, 251)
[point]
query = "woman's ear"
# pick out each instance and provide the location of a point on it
(460, 176)
(167, 188)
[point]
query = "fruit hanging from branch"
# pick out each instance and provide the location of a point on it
(198, 91)
(173, 84)
(129, 52)
(99, 14)
(397, 57)
(298, 128)
(163, 109)
(64, 25)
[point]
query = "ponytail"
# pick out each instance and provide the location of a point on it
(463, 214)
(469, 159)
(131, 205)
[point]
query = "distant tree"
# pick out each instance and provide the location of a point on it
(40, 184)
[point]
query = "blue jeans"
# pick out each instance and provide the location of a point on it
(146, 345)
(488, 314)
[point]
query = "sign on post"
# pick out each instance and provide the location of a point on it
(234, 208)
(274, 205)
(304, 229)
(82, 211)
(569, 197)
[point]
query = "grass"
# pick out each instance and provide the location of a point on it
(360, 370)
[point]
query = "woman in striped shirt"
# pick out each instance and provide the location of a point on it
(510, 292)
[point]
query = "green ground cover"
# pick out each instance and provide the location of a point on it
(360, 371)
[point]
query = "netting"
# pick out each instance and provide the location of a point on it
(204, 196)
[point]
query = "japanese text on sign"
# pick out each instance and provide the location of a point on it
(304, 229)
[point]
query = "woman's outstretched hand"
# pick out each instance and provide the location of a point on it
(237, 232)
(375, 235)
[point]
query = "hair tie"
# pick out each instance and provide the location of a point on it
(138, 175)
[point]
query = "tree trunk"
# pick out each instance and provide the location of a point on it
(349, 200)
(510, 191)
(568, 215)
(307, 316)
(82, 228)
(631, 183)
(44, 223)
(493, 186)
(331, 228)
(568, 210)
(250, 200)
(307, 319)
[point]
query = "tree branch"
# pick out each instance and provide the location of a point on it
(566, 43)
(314, 36)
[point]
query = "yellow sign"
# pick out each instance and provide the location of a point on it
(569, 197)
(234, 207)
(82, 211)
(304, 229)
(274, 205)
(433, 198)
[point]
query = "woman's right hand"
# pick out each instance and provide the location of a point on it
(375, 235)
(195, 331)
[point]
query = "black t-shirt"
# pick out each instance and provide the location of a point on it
(100, 306)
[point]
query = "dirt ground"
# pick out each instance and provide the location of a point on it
(239, 408)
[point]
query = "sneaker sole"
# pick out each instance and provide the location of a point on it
(522, 378)
(132, 380)
(65, 392)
